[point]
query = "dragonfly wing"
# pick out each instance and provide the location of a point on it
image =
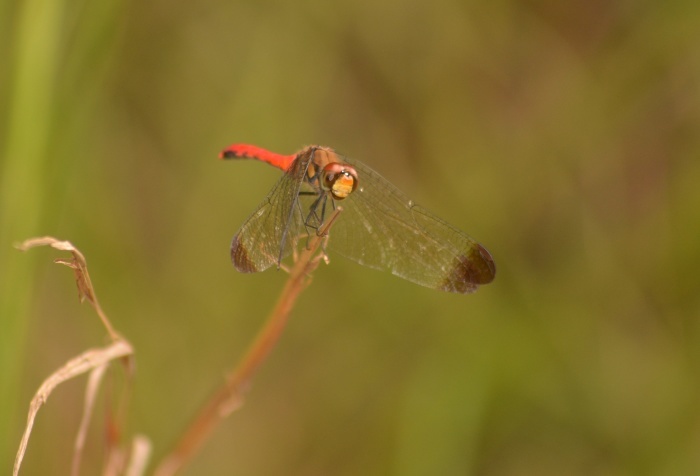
(270, 233)
(381, 228)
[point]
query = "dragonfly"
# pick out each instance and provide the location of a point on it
(379, 227)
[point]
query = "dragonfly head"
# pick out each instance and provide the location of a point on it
(339, 179)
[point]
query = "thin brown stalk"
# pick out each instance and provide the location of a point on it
(229, 396)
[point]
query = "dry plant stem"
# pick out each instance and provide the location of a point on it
(94, 361)
(230, 396)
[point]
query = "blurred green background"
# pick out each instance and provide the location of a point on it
(565, 136)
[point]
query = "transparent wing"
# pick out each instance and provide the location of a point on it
(270, 233)
(381, 228)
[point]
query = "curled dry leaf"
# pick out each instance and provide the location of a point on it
(78, 263)
(79, 266)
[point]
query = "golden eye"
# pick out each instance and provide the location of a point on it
(339, 179)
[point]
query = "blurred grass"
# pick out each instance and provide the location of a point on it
(29, 96)
(564, 137)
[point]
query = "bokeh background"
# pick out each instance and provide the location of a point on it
(565, 136)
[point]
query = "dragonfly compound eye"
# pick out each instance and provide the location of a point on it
(339, 179)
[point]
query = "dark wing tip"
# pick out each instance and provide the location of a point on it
(470, 270)
(239, 257)
(488, 266)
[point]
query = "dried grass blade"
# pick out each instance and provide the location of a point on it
(140, 454)
(84, 362)
(91, 390)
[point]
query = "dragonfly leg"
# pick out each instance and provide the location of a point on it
(313, 220)
(324, 243)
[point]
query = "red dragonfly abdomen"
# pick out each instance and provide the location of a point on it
(247, 151)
